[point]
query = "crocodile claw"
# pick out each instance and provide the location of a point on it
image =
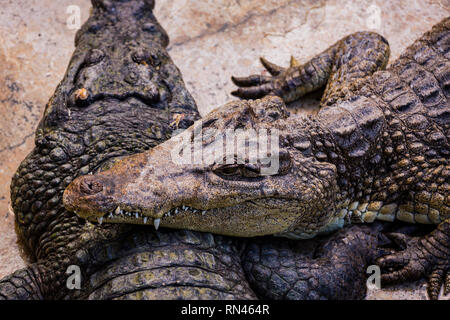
(447, 284)
(418, 257)
(400, 239)
(272, 68)
(252, 80)
(254, 92)
(257, 86)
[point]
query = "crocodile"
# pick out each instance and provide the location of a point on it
(377, 150)
(120, 96)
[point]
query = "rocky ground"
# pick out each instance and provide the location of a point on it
(210, 41)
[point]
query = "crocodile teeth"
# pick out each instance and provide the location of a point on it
(117, 211)
(156, 223)
(203, 212)
(145, 220)
(100, 220)
(136, 215)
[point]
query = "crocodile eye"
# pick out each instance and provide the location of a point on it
(250, 171)
(95, 56)
(230, 170)
(239, 170)
(140, 56)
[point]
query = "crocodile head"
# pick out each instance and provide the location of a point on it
(117, 98)
(266, 183)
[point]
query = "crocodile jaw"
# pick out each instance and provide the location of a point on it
(243, 220)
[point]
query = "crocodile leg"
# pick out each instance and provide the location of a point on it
(332, 268)
(21, 285)
(338, 67)
(421, 256)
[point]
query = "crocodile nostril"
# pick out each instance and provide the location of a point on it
(90, 187)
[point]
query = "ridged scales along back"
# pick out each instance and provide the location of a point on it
(403, 116)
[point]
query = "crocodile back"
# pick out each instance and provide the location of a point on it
(392, 138)
(414, 93)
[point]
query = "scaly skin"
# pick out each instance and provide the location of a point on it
(119, 96)
(307, 270)
(378, 149)
(132, 91)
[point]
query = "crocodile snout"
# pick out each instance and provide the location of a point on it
(89, 196)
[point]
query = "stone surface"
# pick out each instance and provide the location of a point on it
(210, 41)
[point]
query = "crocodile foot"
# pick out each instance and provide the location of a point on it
(257, 86)
(419, 257)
